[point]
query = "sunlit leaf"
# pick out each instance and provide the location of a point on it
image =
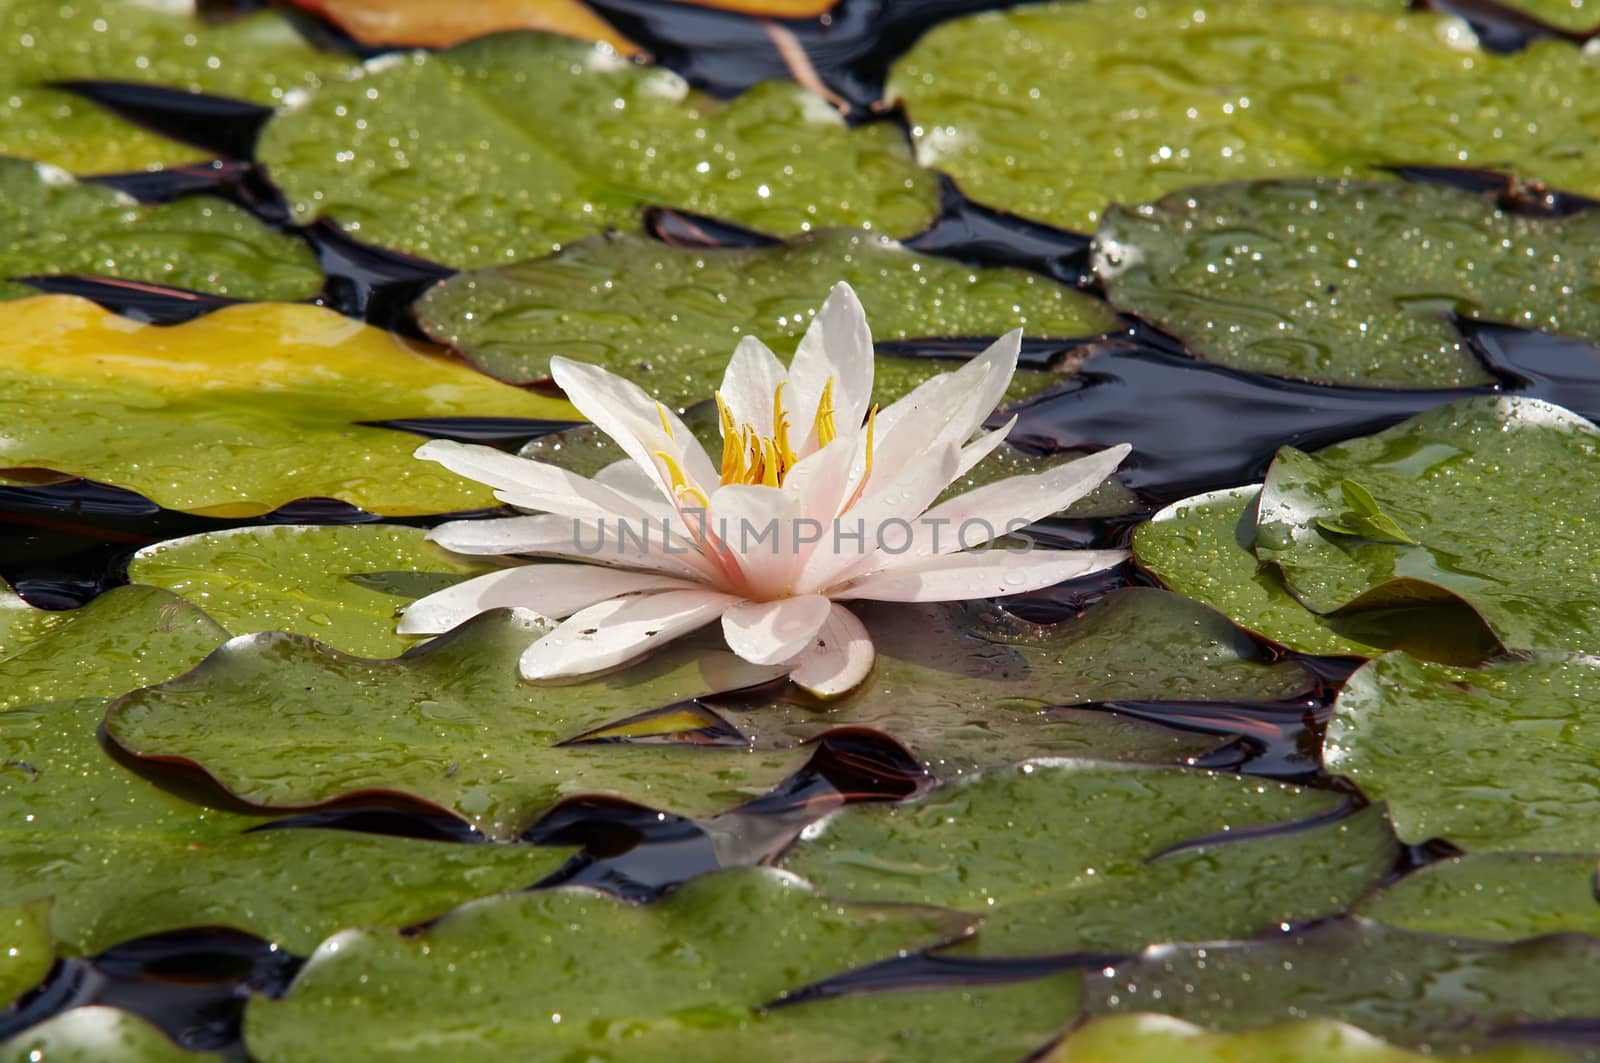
(669, 317)
(96, 1034)
(425, 24)
(1510, 764)
(237, 412)
(341, 585)
(1497, 896)
(558, 975)
(26, 952)
(511, 145)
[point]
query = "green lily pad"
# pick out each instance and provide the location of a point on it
(1499, 492)
(1057, 110)
(240, 411)
(1438, 994)
(1156, 1038)
(199, 243)
(339, 584)
(1072, 856)
(565, 139)
(285, 722)
(127, 637)
(1497, 758)
(669, 317)
(1495, 896)
(1571, 14)
(557, 975)
(966, 687)
(1347, 282)
(123, 857)
(96, 1034)
(258, 58)
(26, 951)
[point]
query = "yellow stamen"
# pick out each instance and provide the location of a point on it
(780, 432)
(661, 412)
(732, 444)
(681, 489)
(771, 468)
(823, 424)
(872, 419)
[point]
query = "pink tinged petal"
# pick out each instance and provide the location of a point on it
(616, 631)
(529, 484)
(772, 632)
(750, 382)
(958, 577)
(548, 535)
(838, 660)
(838, 344)
(1015, 502)
(552, 591)
(755, 525)
(818, 482)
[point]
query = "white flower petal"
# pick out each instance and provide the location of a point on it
(529, 484)
(958, 577)
(552, 591)
(839, 659)
(838, 344)
(548, 535)
(771, 632)
(605, 635)
(983, 446)
(755, 524)
(627, 479)
(750, 382)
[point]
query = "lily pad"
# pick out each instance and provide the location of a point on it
(128, 637)
(1156, 1038)
(565, 140)
(1055, 111)
(424, 24)
(258, 58)
(1438, 994)
(339, 584)
(1495, 896)
(1499, 492)
(670, 316)
(285, 722)
(96, 1034)
(26, 952)
(123, 857)
(557, 975)
(1079, 856)
(61, 226)
(1347, 282)
(966, 687)
(240, 411)
(1510, 764)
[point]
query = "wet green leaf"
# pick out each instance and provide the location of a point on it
(557, 975)
(1057, 110)
(202, 244)
(1349, 282)
(1509, 762)
(341, 585)
(123, 857)
(1068, 856)
(565, 140)
(1420, 991)
(1582, 15)
(96, 1034)
(1500, 495)
(1496, 896)
(127, 637)
(259, 58)
(283, 721)
(238, 412)
(669, 317)
(965, 687)
(26, 952)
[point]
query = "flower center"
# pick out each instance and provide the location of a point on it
(750, 456)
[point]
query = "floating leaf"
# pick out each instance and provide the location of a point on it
(1364, 519)
(285, 722)
(1056, 110)
(424, 24)
(1437, 994)
(1079, 856)
(965, 689)
(128, 637)
(26, 952)
(1156, 1038)
(1495, 896)
(123, 857)
(1498, 491)
(237, 412)
(565, 140)
(259, 58)
(1510, 764)
(669, 317)
(202, 244)
(558, 975)
(96, 1034)
(340, 584)
(1347, 282)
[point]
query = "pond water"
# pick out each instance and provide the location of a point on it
(1310, 772)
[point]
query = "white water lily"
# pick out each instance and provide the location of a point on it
(793, 522)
